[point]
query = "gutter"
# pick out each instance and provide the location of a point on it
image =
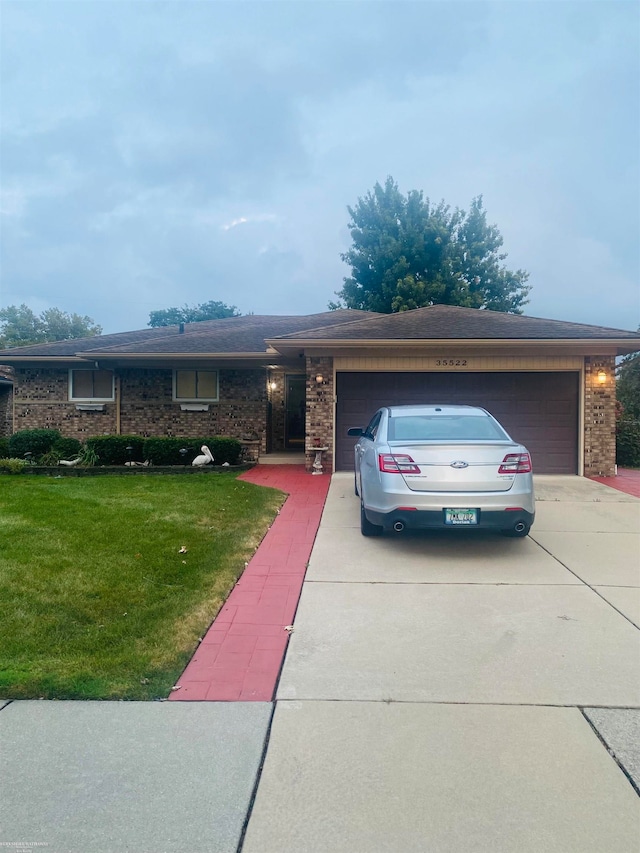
(587, 346)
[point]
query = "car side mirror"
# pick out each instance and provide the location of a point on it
(355, 431)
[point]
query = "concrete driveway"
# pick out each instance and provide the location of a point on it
(440, 693)
(462, 692)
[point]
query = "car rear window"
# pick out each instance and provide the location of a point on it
(444, 428)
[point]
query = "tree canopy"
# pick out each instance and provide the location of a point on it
(409, 253)
(20, 326)
(192, 314)
(628, 385)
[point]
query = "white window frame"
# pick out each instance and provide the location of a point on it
(177, 399)
(73, 399)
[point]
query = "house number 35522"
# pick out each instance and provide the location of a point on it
(451, 362)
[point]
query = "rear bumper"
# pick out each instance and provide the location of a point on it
(427, 519)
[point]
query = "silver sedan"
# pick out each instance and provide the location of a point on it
(441, 467)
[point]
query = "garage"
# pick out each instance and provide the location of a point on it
(538, 409)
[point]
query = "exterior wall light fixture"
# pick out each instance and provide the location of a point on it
(602, 376)
(273, 385)
(319, 378)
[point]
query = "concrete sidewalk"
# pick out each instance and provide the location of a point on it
(440, 693)
(443, 692)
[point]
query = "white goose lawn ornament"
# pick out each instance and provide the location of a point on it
(205, 459)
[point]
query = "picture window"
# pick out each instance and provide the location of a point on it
(91, 385)
(195, 385)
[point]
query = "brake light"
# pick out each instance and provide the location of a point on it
(515, 463)
(399, 463)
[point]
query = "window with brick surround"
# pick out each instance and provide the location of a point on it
(91, 385)
(195, 385)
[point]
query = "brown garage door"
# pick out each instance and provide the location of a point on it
(538, 409)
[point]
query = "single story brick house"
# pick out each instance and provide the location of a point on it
(291, 382)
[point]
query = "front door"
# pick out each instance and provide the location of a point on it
(295, 408)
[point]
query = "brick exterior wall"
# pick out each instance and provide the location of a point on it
(41, 402)
(146, 406)
(320, 411)
(6, 410)
(599, 417)
(275, 442)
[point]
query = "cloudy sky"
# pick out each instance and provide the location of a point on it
(161, 153)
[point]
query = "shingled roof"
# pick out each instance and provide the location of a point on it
(448, 322)
(244, 334)
(251, 335)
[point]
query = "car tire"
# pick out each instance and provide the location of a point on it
(517, 534)
(366, 527)
(355, 486)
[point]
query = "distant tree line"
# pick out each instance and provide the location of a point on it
(20, 326)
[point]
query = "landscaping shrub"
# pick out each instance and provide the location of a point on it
(35, 441)
(112, 449)
(67, 448)
(224, 450)
(4, 448)
(13, 466)
(166, 451)
(628, 442)
(50, 459)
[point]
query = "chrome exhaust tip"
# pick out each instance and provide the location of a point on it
(398, 526)
(520, 526)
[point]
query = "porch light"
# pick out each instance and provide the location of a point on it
(602, 376)
(319, 378)
(273, 385)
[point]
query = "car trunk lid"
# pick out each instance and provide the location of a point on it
(455, 467)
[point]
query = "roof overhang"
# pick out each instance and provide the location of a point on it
(548, 346)
(44, 360)
(230, 360)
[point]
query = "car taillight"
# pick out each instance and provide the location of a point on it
(399, 463)
(515, 463)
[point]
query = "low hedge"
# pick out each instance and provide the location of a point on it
(67, 448)
(47, 446)
(116, 449)
(166, 451)
(4, 448)
(628, 442)
(44, 444)
(34, 441)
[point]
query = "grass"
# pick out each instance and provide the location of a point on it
(96, 600)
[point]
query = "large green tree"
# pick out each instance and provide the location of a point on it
(628, 385)
(192, 314)
(20, 326)
(408, 253)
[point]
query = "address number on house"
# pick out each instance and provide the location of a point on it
(451, 362)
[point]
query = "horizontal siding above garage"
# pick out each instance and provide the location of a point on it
(473, 363)
(538, 409)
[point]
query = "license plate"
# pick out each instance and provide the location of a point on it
(461, 516)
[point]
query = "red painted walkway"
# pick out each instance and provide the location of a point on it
(627, 480)
(241, 655)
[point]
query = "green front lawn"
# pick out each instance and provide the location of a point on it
(106, 583)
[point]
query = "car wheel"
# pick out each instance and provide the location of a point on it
(512, 533)
(366, 527)
(355, 486)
